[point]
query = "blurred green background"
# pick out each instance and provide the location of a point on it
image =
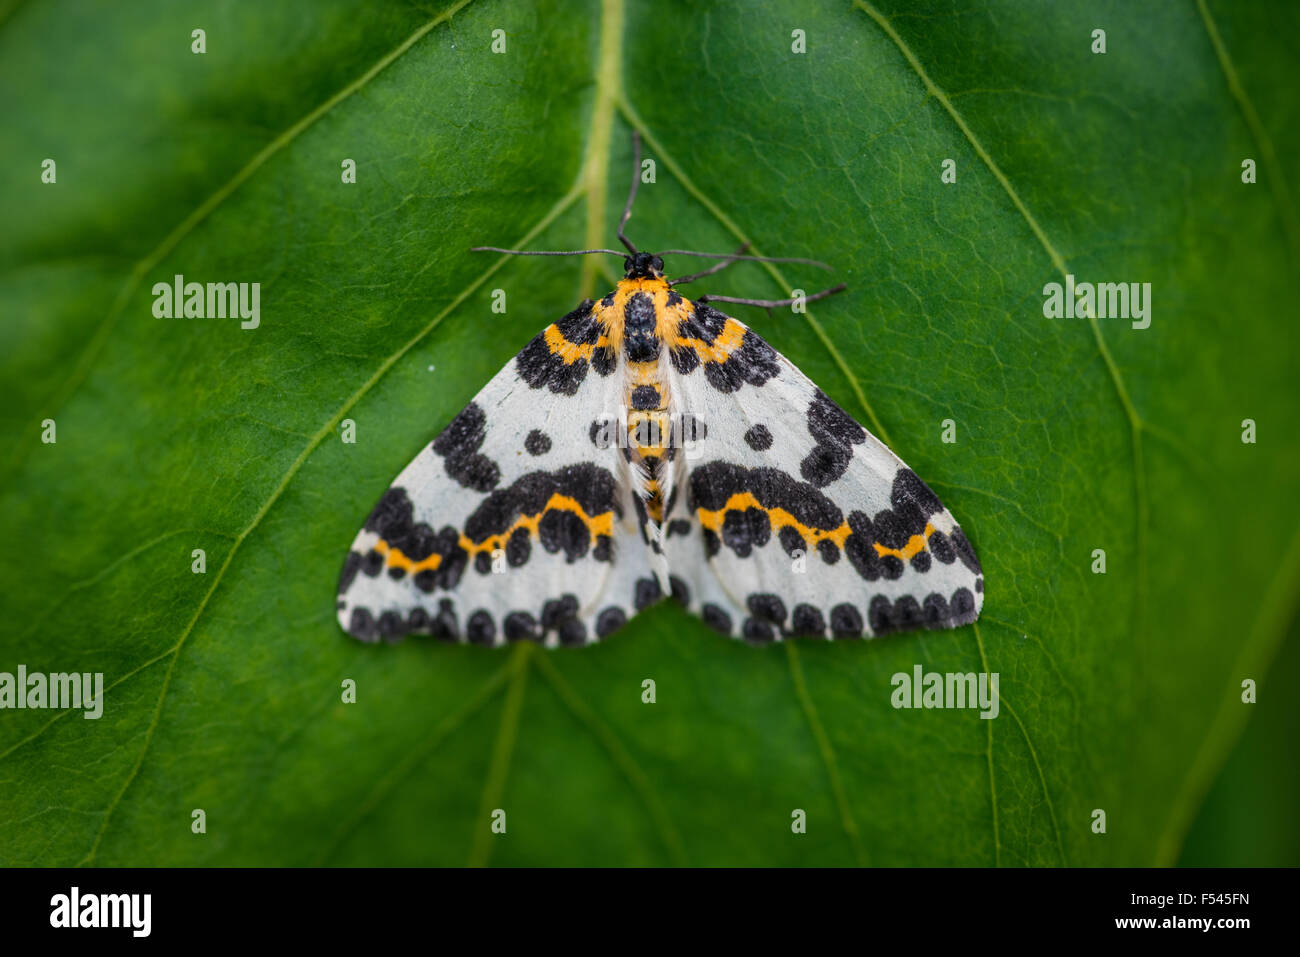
(1120, 692)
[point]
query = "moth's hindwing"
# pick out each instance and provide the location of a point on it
(793, 519)
(513, 523)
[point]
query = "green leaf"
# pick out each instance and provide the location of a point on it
(1119, 692)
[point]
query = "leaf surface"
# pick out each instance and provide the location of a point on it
(1119, 692)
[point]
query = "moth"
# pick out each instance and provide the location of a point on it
(646, 446)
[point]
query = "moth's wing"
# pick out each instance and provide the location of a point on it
(517, 473)
(791, 518)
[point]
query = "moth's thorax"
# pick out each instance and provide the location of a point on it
(640, 315)
(638, 318)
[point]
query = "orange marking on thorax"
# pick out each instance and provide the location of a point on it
(602, 524)
(667, 318)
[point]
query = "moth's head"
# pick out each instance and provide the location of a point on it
(643, 266)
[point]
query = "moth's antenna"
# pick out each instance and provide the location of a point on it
(712, 269)
(631, 195)
(757, 259)
(774, 303)
(546, 252)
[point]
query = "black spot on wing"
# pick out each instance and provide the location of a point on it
(610, 620)
(444, 624)
(806, 620)
(458, 445)
(580, 326)
(941, 548)
(573, 632)
(604, 360)
(392, 513)
(965, 551)
(561, 530)
(768, 607)
(907, 613)
(362, 625)
(537, 443)
(350, 567)
(647, 593)
(681, 592)
(684, 359)
(935, 611)
(846, 621)
(758, 631)
(834, 433)
(481, 629)
(521, 626)
(962, 607)
(541, 368)
(743, 531)
(880, 615)
(391, 626)
(716, 618)
(908, 487)
(755, 361)
(758, 438)
(558, 610)
(704, 323)
(519, 547)
(825, 463)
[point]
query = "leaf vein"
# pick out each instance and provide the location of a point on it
(96, 342)
(827, 752)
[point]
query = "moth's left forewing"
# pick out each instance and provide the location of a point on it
(515, 522)
(792, 519)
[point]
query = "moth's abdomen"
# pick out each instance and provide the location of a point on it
(649, 429)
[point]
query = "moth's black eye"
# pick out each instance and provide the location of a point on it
(658, 264)
(627, 263)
